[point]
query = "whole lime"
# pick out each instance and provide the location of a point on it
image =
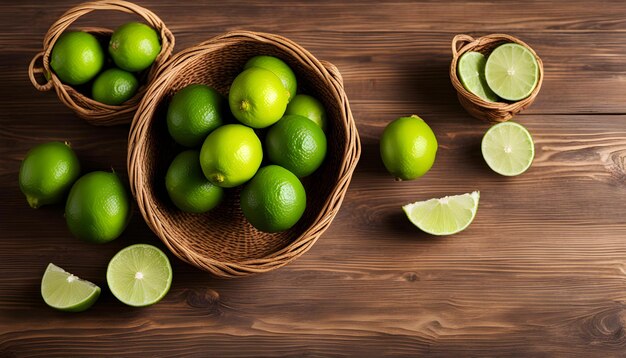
(47, 173)
(188, 188)
(193, 113)
(77, 57)
(231, 155)
(309, 107)
(98, 207)
(408, 147)
(277, 67)
(134, 46)
(297, 144)
(114, 87)
(274, 200)
(257, 98)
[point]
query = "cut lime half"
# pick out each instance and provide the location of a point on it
(444, 216)
(512, 71)
(66, 292)
(471, 71)
(139, 275)
(508, 148)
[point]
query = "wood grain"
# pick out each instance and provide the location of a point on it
(540, 273)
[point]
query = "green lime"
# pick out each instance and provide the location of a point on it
(47, 173)
(134, 46)
(231, 155)
(98, 208)
(114, 87)
(512, 71)
(77, 57)
(139, 275)
(309, 107)
(508, 148)
(66, 292)
(408, 147)
(187, 186)
(445, 216)
(257, 98)
(279, 68)
(193, 113)
(274, 200)
(296, 144)
(471, 71)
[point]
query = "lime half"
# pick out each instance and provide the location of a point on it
(508, 148)
(66, 292)
(139, 275)
(444, 216)
(512, 71)
(471, 70)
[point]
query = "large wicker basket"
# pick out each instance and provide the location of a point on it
(221, 241)
(476, 106)
(94, 112)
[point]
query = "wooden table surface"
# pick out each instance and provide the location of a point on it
(541, 272)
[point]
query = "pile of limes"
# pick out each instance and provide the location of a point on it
(222, 153)
(78, 58)
(97, 210)
(509, 73)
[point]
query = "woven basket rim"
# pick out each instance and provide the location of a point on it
(145, 112)
(463, 43)
(93, 111)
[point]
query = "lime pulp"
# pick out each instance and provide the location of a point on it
(508, 148)
(66, 292)
(444, 216)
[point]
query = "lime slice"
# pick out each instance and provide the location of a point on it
(508, 148)
(512, 71)
(444, 216)
(139, 275)
(471, 70)
(66, 292)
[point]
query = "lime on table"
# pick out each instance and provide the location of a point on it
(297, 144)
(231, 155)
(66, 292)
(114, 87)
(187, 186)
(508, 148)
(77, 57)
(134, 46)
(274, 200)
(408, 147)
(277, 67)
(444, 216)
(47, 173)
(309, 107)
(258, 98)
(139, 275)
(193, 113)
(471, 71)
(98, 207)
(512, 71)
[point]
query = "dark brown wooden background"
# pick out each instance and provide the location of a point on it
(541, 272)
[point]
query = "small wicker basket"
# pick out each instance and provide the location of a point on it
(94, 112)
(221, 241)
(474, 105)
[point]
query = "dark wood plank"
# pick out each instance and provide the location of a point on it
(541, 272)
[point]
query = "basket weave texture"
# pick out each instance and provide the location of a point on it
(221, 241)
(477, 107)
(94, 112)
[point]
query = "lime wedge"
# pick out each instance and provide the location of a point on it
(508, 148)
(471, 71)
(512, 71)
(66, 292)
(444, 216)
(139, 275)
